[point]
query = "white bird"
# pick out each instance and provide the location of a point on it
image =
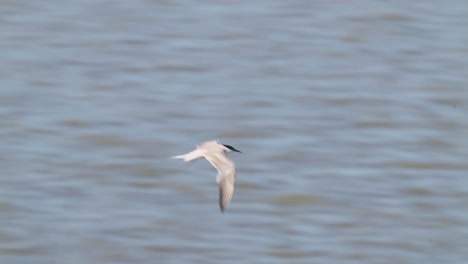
(215, 153)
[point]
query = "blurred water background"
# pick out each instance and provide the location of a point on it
(351, 115)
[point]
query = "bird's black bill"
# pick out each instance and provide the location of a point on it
(232, 148)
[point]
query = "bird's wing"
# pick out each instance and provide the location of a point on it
(220, 161)
(226, 177)
(226, 188)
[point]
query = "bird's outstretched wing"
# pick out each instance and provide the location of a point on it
(226, 177)
(226, 188)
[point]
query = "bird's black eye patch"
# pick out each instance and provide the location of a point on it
(228, 146)
(231, 148)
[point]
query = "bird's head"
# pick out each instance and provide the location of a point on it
(231, 148)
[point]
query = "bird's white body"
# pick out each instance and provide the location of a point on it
(215, 153)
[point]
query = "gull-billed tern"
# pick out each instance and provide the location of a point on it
(215, 153)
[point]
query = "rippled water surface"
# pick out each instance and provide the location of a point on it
(352, 120)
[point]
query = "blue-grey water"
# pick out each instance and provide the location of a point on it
(352, 117)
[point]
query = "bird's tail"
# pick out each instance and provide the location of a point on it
(180, 157)
(193, 155)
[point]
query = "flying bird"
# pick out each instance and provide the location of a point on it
(215, 153)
